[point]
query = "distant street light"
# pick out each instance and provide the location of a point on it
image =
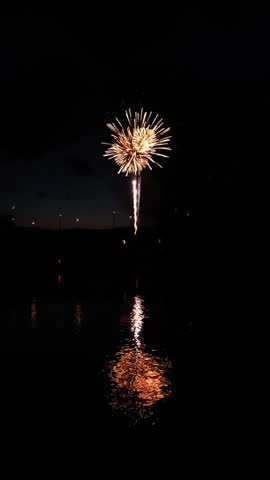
(13, 213)
(59, 221)
(131, 221)
(114, 218)
(33, 223)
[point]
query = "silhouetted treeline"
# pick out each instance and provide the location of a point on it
(36, 258)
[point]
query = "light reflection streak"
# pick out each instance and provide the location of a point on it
(138, 379)
(136, 320)
(33, 312)
(78, 315)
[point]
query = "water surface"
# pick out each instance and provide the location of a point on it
(136, 346)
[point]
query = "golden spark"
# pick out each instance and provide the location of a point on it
(134, 146)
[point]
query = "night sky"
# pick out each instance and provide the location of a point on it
(64, 75)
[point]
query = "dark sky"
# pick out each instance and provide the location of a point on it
(64, 75)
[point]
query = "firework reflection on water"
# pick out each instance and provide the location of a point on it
(138, 379)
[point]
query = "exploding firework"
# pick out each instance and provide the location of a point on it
(134, 147)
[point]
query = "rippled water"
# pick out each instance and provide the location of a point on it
(132, 343)
(138, 378)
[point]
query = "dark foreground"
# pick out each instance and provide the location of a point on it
(129, 316)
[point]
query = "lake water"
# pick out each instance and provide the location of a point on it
(136, 346)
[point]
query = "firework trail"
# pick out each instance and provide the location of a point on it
(135, 204)
(136, 195)
(134, 146)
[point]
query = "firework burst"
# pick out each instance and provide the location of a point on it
(134, 147)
